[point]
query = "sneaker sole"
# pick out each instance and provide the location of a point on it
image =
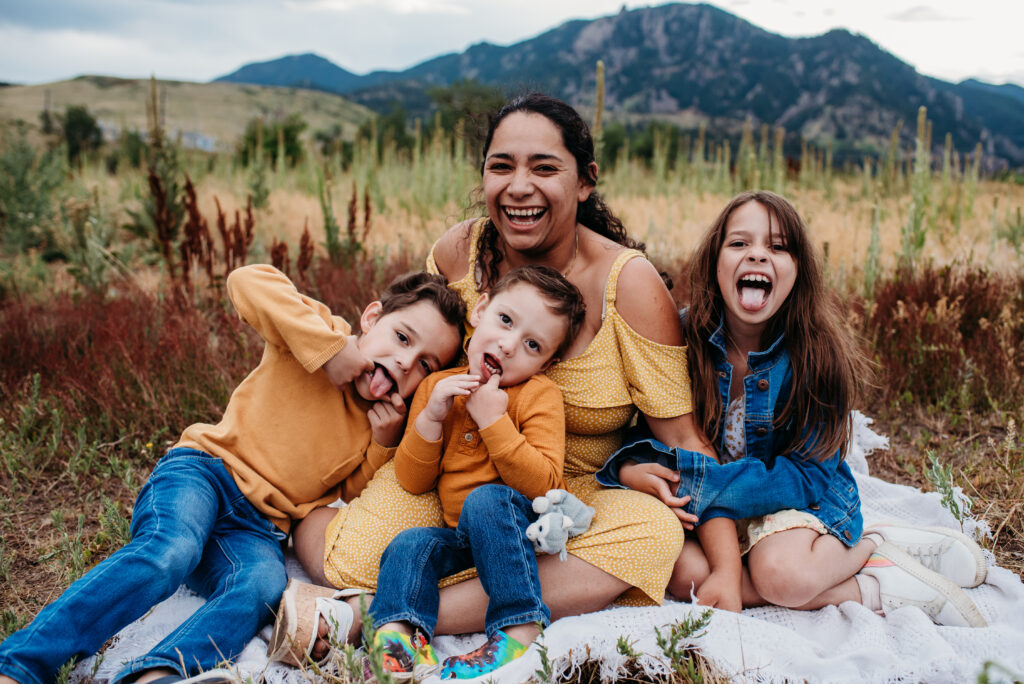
(980, 565)
(947, 587)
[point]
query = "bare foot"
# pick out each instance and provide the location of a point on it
(322, 646)
(155, 673)
(524, 634)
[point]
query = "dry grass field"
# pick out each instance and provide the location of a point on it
(107, 351)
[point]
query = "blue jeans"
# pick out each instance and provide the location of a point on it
(191, 524)
(491, 535)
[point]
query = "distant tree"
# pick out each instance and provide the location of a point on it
(267, 134)
(81, 132)
(391, 127)
(469, 101)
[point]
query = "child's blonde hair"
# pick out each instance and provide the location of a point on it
(829, 369)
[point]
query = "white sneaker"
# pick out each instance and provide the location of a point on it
(903, 581)
(948, 552)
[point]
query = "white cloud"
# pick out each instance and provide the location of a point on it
(920, 13)
(397, 6)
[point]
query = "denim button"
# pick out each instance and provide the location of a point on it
(761, 431)
(469, 436)
(815, 507)
(847, 535)
(723, 374)
(762, 384)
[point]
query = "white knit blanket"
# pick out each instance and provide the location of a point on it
(847, 643)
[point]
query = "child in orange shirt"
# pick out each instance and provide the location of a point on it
(490, 436)
(314, 420)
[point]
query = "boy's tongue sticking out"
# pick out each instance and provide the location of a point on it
(380, 382)
(489, 366)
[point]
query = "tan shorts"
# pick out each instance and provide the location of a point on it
(753, 530)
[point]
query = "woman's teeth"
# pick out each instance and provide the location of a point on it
(524, 215)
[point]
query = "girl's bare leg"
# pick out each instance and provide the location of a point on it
(802, 569)
(692, 568)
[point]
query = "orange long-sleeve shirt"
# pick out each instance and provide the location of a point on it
(524, 449)
(290, 438)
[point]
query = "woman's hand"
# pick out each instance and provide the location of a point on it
(660, 482)
(387, 419)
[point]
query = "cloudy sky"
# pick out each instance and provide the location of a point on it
(197, 40)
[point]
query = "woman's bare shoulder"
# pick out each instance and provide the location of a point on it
(644, 302)
(451, 251)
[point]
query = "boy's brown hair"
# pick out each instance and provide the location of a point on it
(561, 296)
(406, 290)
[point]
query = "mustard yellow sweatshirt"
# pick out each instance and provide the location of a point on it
(524, 449)
(290, 438)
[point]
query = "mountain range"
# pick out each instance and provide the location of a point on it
(695, 62)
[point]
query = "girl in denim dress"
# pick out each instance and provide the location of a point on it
(775, 374)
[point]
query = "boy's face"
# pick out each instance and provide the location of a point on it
(405, 346)
(516, 335)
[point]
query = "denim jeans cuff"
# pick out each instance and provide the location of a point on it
(147, 662)
(18, 673)
(415, 620)
(531, 617)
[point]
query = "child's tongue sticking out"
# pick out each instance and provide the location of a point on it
(753, 298)
(380, 382)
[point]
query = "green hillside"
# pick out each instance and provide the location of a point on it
(205, 115)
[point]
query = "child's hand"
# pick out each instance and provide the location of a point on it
(347, 365)
(387, 418)
(487, 403)
(722, 590)
(428, 422)
(660, 482)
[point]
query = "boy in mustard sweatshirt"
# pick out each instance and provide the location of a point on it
(491, 437)
(314, 420)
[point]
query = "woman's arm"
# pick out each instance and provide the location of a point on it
(646, 306)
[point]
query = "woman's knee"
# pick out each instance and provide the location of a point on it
(690, 571)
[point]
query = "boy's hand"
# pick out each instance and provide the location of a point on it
(721, 590)
(428, 422)
(487, 403)
(387, 418)
(660, 482)
(347, 365)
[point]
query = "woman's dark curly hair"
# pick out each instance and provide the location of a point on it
(592, 213)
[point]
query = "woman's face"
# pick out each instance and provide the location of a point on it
(756, 273)
(530, 183)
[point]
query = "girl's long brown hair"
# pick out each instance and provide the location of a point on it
(829, 369)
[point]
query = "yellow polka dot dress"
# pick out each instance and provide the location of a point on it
(634, 536)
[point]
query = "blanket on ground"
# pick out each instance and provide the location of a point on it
(845, 643)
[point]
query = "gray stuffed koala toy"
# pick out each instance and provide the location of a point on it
(562, 515)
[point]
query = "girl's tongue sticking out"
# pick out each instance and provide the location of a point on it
(753, 292)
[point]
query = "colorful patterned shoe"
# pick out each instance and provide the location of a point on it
(403, 657)
(500, 649)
